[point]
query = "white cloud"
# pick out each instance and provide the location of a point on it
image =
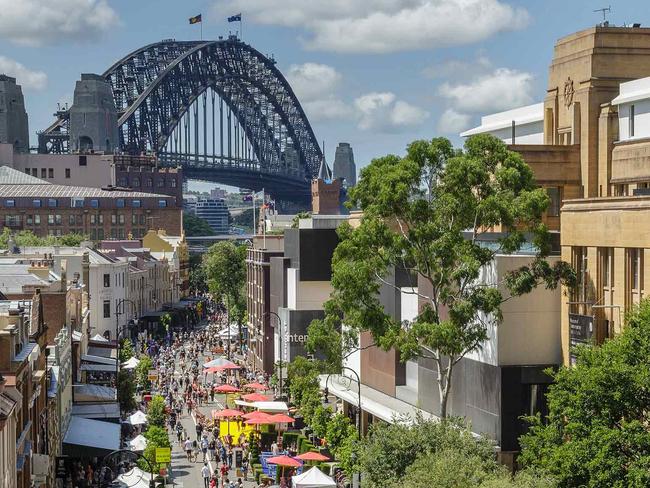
(382, 112)
(311, 80)
(39, 22)
(453, 122)
(499, 90)
(327, 109)
(455, 68)
(29, 79)
(381, 26)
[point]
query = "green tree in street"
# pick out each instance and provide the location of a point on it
(142, 372)
(198, 278)
(596, 433)
(126, 391)
(166, 321)
(339, 430)
(126, 350)
(156, 415)
(426, 213)
(28, 238)
(320, 419)
(196, 226)
(156, 437)
(225, 268)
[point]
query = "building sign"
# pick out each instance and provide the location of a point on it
(581, 328)
(163, 455)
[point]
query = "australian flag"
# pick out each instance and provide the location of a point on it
(235, 18)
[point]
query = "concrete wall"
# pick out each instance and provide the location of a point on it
(98, 293)
(641, 120)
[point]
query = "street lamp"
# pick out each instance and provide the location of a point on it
(280, 334)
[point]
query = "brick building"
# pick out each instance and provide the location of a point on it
(30, 203)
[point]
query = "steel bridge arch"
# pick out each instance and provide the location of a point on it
(161, 92)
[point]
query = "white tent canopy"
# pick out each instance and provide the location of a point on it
(136, 478)
(132, 363)
(98, 338)
(271, 406)
(138, 418)
(138, 443)
(234, 332)
(314, 478)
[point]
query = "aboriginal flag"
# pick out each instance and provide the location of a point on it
(196, 19)
(235, 18)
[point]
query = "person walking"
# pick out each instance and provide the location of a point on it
(205, 474)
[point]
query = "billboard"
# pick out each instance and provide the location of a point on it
(581, 329)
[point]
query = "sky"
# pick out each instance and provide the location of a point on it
(375, 73)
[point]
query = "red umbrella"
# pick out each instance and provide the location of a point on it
(280, 418)
(256, 397)
(255, 386)
(228, 412)
(229, 366)
(212, 370)
(226, 389)
(284, 461)
(260, 420)
(313, 456)
(256, 413)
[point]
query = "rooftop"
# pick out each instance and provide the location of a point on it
(528, 114)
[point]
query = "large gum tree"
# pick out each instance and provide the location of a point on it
(428, 213)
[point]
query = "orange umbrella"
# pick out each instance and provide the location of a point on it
(259, 420)
(256, 397)
(255, 386)
(280, 418)
(226, 389)
(284, 461)
(256, 413)
(228, 412)
(313, 456)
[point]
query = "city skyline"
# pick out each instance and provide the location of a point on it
(377, 88)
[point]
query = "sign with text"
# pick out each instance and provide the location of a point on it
(163, 455)
(581, 329)
(152, 375)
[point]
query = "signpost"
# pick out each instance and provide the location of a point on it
(581, 329)
(152, 375)
(163, 455)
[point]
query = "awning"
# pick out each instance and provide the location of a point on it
(373, 401)
(98, 359)
(108, 410)
(136, 478)
(98, 367)
(104, 352)
(93, 393)
(90, 438)
(271, 406)
(98, 338)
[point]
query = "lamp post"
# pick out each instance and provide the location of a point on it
(346, 368)
(280, 334)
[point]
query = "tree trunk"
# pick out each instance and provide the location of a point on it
(444, 386)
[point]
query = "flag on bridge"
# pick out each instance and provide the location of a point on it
(235, 18)
(196, 19)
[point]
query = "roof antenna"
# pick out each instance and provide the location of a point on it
(605, 11)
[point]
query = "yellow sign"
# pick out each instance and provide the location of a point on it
(163, 455)
(152, 375)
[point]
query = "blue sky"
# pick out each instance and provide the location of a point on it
(374, 73)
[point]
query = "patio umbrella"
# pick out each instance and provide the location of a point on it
(138, 443)
(221, 363)
(256, 397)
(226, 389)
(213, 369)
(256, 413)
(280, 418)
(284, 461)
(255, 386)
(225, 413)
(138, 418)
(313, 456)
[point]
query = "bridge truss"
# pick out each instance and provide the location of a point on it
(219, 109)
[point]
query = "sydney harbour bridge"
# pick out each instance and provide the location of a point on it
(219, 109)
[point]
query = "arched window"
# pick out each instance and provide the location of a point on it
(85, 143)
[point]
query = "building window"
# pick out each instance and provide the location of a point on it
(50, 219)
(143, 220)
(93, 218)
(100, 234)
(554, 205)
(27, 171)
(608, 267)
(149, 181)
(30, 220)
(101, 218)
(631, 121)
(120, 203)
(172, 182)
(113, 219)
(77, 203)
(124, 181)
(50, 173)
(58, 219)
(136, 182)
(83, 161)
(94, 203)
(93, 234)
(134, 219)
(120, 233)
(35, 172)
(107, 309)
(43, 173)
(79, 219)
(52, 202)
(37, 219)
(71, 219)
(162, 203)
(67, 172)
(36, 203)
(635, 260)
(107, 280)
(161, 183)
(10, 203)
(136, 203)
(121, 218)
(113, 233)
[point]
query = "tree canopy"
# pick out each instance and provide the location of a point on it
(28, 238)
(596, 433)
(196, 226)
(428, 213)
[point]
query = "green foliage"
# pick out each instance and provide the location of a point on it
(126, 350)
(196, 226)
(156, 437)
(320, 419)
(166, 321)
(596, 433)
(339, 431)
(225, 267)
(304, 388)
(428, 213)
(156, 415)
(198, 278)
(28, 238)
(142, 371)
(126, 391)
(244, 219)
(298, 216)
